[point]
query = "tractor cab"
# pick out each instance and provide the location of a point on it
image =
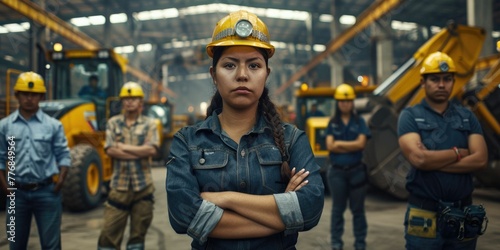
(83, 76)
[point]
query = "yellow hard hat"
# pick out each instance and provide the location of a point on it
(438, 62)
(131, 89)
(30, 82)
(241, 28)
(344, 92)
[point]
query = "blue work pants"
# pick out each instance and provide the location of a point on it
(46, 206)
(348, 185)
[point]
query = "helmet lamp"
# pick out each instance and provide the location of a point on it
(243, 28)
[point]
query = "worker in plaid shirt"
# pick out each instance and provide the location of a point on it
(131, 140)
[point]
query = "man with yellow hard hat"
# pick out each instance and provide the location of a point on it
(131, 139)
(444, 143)
(33, 148)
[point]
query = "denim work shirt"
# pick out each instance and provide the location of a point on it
(39, 145)
(131, 173)
(438, 132)
(203, 158)
(350, 132)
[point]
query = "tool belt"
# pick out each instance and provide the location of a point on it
(458, 219)
(432, 205)
(346, 166)
(32, 186)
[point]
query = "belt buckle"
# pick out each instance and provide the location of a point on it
(31, 186)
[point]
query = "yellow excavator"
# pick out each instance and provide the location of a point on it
(484, 100)
(84, 117)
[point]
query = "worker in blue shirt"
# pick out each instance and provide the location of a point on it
(33, 150)
(314, 111)
(92, 90)
(444, 143)
(346, 138)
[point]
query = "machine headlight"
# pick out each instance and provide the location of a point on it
(103, 54)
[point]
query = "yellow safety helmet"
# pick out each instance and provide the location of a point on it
(344, 92)
(438, 62)
(131, 89)
(241, 28)
(30, 82)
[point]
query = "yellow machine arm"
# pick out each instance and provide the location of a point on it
(462, 43)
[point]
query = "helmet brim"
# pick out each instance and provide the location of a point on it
(258, 44)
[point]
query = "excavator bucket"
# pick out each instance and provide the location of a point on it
(387, 165)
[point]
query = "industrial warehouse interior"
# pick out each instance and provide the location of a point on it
(376, 46)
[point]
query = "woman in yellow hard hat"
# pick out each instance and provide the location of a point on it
(346, 138)
(242, 179)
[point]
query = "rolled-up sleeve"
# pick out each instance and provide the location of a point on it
(204, 221)
(291, 215)
(110, 136)
(310, 198)
(153, 137)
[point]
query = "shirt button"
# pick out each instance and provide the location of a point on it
(242, 153)
(202, 161)
(243, 184)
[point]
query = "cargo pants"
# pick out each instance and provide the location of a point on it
(119, 206)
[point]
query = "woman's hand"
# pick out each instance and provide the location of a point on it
(297, 181)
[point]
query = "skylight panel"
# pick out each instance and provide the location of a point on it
(97, 20)
(118, 18)
(14, 27)
(80, 21)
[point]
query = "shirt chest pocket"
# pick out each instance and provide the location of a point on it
(462, 125)
(140, 134)
(354, 129)
(270, 169)
(426, 126)
(336, 130)
(429, 132)
(42, 144)
(210, 168)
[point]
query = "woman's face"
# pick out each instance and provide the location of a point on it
(240, 76)
(345, 106)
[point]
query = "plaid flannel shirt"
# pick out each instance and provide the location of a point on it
(131, 173)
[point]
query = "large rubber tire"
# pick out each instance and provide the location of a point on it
(82, 189)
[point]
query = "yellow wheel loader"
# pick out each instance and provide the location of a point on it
(84, 118)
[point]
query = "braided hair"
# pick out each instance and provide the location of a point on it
(265, 107)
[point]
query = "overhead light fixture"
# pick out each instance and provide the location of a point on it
(57, 47)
